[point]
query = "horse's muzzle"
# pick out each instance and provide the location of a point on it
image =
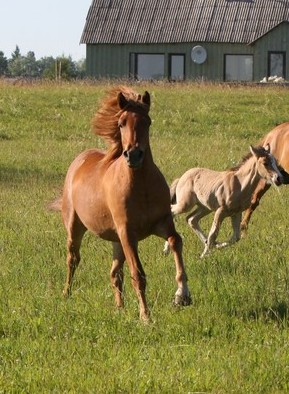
(278, 180)
(134, 157)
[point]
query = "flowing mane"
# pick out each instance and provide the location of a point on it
(105, 121)
(259, 148)
(242, 162)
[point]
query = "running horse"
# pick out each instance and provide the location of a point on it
(278, 138)
(121, 196)
(226, 193)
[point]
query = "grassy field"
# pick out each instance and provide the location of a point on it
(235, 336)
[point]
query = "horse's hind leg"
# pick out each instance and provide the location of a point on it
(193, 221)
(182, 296)
(116, 273)
(167, 231)
(256, 197)
(75, 232)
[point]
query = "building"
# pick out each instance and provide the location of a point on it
(217, 40)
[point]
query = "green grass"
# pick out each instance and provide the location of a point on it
(234, 338)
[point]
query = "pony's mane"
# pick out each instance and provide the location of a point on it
(246, 158)
(261, 150)
(105, 121)
(241, 162)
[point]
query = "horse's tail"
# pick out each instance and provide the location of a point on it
(173, 191)
(55, 205)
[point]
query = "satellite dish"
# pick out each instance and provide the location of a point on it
(199, 54)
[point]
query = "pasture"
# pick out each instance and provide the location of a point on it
(235, 335)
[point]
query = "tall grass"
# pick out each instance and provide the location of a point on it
(234, 338)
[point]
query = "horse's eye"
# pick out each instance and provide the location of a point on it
(121, 124)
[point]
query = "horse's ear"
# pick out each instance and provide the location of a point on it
(121, 100)
(267, 148)
(146, 99)
(254, 151)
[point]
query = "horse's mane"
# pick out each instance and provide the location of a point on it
(241, 162)
(246, 158)
(105, 121)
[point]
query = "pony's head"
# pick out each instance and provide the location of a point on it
(123, 121)
(134, 123)
(267, 165)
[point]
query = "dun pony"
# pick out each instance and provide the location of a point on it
(121, 196)
(227, 193)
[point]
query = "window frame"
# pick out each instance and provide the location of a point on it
(248, 55)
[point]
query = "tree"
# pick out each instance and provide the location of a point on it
(15, 64)
(65, 68)
(81, 68)
(30, 66)
(3, 64)
(46, 67)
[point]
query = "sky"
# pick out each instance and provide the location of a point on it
(48, 28)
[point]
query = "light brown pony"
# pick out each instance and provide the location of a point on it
(278, 138)
(121, 196)
(227, 193)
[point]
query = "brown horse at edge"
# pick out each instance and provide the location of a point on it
(278, 139)
(121, 196)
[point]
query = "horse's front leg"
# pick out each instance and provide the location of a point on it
(214, 231)
(235, 220)
(138, 278)
(116, 273)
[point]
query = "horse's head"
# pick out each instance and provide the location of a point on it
(267, 165)
(134, 123)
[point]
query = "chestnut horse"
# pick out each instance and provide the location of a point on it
(227, 193)
(278, 138)
(121, 196)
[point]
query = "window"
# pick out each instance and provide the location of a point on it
(149, 66)
(238, 67)
(277, 62)
(177, 67)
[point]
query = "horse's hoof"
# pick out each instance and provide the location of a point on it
(182, 300)
(66, 293)
(166, 249)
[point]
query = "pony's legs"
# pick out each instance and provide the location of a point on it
(193, 221)
(236, 220)
(214, 231)
(75, 233)
(116, 273)
(256, 197)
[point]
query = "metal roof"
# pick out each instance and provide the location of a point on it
(176, 21)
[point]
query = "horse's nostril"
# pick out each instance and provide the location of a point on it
(125, 153)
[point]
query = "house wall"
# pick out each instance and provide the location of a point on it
(113, 61)
(276, 40)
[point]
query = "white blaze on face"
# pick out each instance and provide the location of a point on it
(275, 168)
